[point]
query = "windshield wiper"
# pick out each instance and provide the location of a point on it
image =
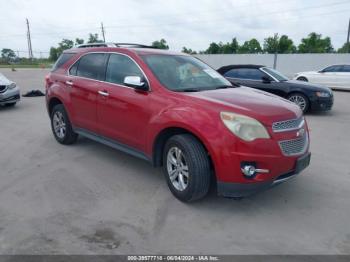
(224, 87)
(188, 90)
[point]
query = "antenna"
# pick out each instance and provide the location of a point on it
(30, 50)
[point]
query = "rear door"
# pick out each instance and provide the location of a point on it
(84, 81)
(123, 112)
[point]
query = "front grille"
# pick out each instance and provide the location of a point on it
(2, 88)
(294, 147)
(288, 125)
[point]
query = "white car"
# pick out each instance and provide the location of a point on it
(9, 92)
(334, 76)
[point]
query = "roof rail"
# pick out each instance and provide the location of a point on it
(96, 45)
(133, 45)
(114, 45)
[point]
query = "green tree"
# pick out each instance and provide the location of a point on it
(283, 45)
(8, 54)
(93, 38)
(188, 51)
(314, 43)
(250, 47)
(345, 48)
(213, 48)
(230, 48)
(53, 54)
(162, 44)
(79, 41)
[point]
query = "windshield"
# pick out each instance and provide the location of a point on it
(275, 74)
(184, 73)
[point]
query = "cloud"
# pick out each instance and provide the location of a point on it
(193, 24)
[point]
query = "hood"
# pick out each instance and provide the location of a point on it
(307, 85)
(265, 107)
(4, 81)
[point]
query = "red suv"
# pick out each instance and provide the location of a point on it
(175, 111)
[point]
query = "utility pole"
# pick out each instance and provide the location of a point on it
(347, 40)
(276, 50)
(103, 33)
(30, 50)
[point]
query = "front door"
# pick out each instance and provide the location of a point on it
(122, 111)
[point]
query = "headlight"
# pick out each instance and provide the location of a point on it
(323, 94)
(11, 86)
(244, 127)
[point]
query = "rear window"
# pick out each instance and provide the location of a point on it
(62, 60)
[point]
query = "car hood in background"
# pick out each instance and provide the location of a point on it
(4, 81)
(263, 106)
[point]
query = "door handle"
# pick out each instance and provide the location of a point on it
(103, 93)
(69, 83)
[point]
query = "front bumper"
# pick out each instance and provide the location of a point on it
(227, 189)
(322, 103)
(10, 96)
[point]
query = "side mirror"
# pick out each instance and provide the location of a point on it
(136, 82)
(266, 80)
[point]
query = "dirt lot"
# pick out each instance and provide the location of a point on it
(88, 198)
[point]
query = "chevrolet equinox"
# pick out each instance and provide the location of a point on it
(175, 111)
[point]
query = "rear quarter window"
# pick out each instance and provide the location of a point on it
(62, 60)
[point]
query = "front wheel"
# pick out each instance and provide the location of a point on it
(186, 167)
(301, 100)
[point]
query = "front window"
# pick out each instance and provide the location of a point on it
(274, 73)
(184, 73)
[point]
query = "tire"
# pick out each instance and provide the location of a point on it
(303, 78)
(301, 100)
(10, 104)
(191, 179)
(61, 126)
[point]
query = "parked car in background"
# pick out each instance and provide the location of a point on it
(175, 111)
(334, 76)
(9, 92)
(306, 95)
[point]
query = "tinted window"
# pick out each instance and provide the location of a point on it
(245, 73)
(335, 68)
(92, 66)
(346, 68)
(120, 66)
(62, 60)
(73, 69)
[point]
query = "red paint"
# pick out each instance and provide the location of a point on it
(136, 118)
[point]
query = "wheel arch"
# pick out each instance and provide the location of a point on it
(52, 103)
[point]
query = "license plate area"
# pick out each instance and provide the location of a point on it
(302, 163)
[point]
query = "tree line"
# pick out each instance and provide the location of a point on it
(313, 43)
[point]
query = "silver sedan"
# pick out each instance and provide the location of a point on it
(9, 92)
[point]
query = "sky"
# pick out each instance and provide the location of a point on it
(191, 23)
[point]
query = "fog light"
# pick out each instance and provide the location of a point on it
(248, 170)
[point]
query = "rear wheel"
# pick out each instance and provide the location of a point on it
(61, 126)
(302, 78)
(301, 100)
(186, 167)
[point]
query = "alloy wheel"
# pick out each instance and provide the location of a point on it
(59, 125)
(177, 168)
(298, 100)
